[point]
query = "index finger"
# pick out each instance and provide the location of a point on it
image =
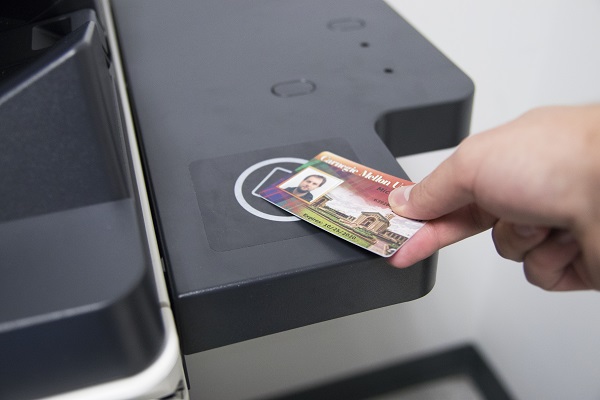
(441, 232)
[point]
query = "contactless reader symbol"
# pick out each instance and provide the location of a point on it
(272, 175)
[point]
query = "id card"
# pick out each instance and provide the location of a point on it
(347, 200)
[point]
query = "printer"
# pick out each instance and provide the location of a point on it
(136, 135)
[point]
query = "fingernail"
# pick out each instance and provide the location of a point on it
(399, 196)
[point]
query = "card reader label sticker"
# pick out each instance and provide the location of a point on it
(347, 200)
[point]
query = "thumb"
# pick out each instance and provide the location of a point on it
(437, 195)
(447, 188)
(401, 202)
(399, 199)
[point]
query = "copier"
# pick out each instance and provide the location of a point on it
(134, 137)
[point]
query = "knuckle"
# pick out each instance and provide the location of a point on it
(537, 273)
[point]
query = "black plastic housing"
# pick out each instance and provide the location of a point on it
(78, 301)
(220, 90)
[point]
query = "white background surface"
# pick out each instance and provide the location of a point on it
(520, 54)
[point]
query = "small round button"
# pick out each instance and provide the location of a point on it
(346, 24)
(293, 88)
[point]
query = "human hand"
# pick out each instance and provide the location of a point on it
(535, 181)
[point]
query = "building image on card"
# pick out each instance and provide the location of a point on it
(351, 203)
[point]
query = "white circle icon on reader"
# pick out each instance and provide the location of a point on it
(239, 196)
